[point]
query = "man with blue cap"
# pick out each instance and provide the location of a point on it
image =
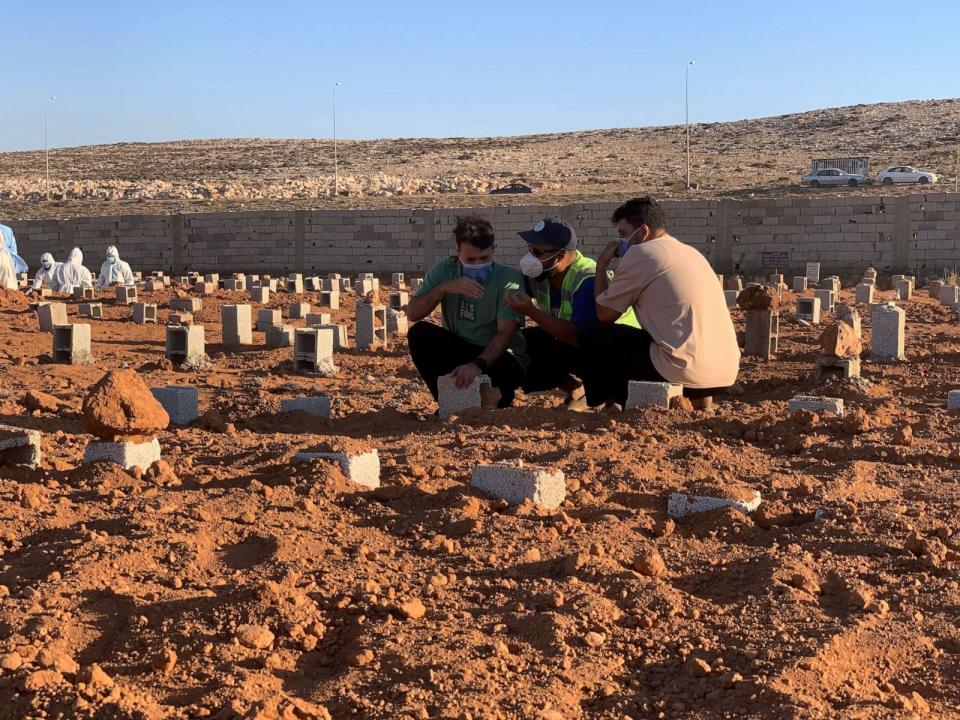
(559, 298)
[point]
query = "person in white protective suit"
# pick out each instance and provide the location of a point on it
(72, 273)
(114, 271)
(45, 275)
(8, 275)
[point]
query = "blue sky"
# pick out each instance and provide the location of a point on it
(147, 71)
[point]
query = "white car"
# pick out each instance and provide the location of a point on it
(905, 174)
(832, 176)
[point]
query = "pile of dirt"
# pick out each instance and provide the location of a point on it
(121, 404)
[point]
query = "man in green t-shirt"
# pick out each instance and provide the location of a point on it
(480, 332)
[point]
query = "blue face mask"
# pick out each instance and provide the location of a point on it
(625, 244)
(478, 272)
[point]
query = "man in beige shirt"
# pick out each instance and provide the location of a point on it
(687, 336)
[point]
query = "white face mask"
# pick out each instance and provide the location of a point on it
(531, 266)
(111, 259)
(46, 264)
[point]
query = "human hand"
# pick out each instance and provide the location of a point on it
(609, 253)
(464, 375)
(464, 286)
(519, 302)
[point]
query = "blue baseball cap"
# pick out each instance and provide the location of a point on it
(554, 232)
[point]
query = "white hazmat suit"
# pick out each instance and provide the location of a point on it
(114, 270)
(8, 275)
(72, 273)
(46, 274)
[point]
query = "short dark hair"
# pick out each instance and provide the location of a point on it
(641, 211)
(475, 230)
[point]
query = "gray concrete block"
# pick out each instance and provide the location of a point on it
(317, 319)
(318, 405)
(330, 299)
(340, 339)
(809, 309)
(888, 333)
(91, 310)
(361, 468)
(313, 350)
(397, 322)
(186, 344)
(279, 336)
(731, 297)
(298, 310)
(658, 394)
(903, 289)
(19, 446)
(452, 400)
(126, 454)
(682, 504)
(950, 295)
(71, 344)
(515, 484)
(182, 403)
(190, 305)
(826, 298)
(260, 295)
(126, 295)
(371, 326)
(953, 400)
(817, 404)
(236, 322)
(50, 315)
(828, 365)
(267, 318)
(849, 315)
(144, 313)
(864, 294)
(799, 283)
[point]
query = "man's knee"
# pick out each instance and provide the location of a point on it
(420, 331)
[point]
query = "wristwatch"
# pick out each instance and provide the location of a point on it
(480, 363)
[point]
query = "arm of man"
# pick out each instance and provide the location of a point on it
(562, 330)
(506, 331)
(426, 301)
(613, 297)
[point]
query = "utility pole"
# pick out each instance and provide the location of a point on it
(686, 105)
(336, 178)
(46, 145)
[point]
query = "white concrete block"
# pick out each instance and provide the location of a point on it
(515, 484)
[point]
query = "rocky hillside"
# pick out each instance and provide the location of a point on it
(765, 155)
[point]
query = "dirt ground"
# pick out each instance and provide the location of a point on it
(247, 585)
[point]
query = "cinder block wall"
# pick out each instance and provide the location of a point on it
(919, 233)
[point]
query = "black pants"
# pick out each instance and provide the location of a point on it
(436, 351)
(552, 363)
(612, 356)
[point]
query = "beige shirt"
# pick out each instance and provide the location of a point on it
(678, 300)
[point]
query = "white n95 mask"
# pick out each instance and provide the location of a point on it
(531, 266)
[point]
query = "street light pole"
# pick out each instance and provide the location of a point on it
(336, 178)
(46, 145)
(687, 117)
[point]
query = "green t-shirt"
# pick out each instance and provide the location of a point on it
(476, 320)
